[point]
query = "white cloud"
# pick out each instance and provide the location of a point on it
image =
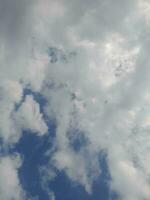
(102, 90)
(104, 37)
(10, 94)
(29, 117)
(10, 187)
(77, 167)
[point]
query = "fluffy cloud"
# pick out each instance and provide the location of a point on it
(29, 117)
(10, 94)
(10, 187)
(91, 62)
(19, 68)
(102, 91)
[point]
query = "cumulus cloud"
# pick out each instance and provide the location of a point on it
(29, 117)
(10, 94)
(90, 60)
(19, 68)
(10, 187)
(102, 90)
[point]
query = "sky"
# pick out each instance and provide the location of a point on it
(74, 100)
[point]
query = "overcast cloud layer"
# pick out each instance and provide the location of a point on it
(90, 61)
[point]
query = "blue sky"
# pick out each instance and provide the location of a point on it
(33, 151)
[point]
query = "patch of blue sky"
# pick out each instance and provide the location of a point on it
(33, 150)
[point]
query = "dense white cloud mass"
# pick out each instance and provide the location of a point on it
(9, 183)
(29, 117)
(90, 60)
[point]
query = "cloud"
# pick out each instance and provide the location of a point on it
(10, 94)
(10, 187)
(20, 65)
(28, 116)
(19, 68)
(91, 63)
(109, 79)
